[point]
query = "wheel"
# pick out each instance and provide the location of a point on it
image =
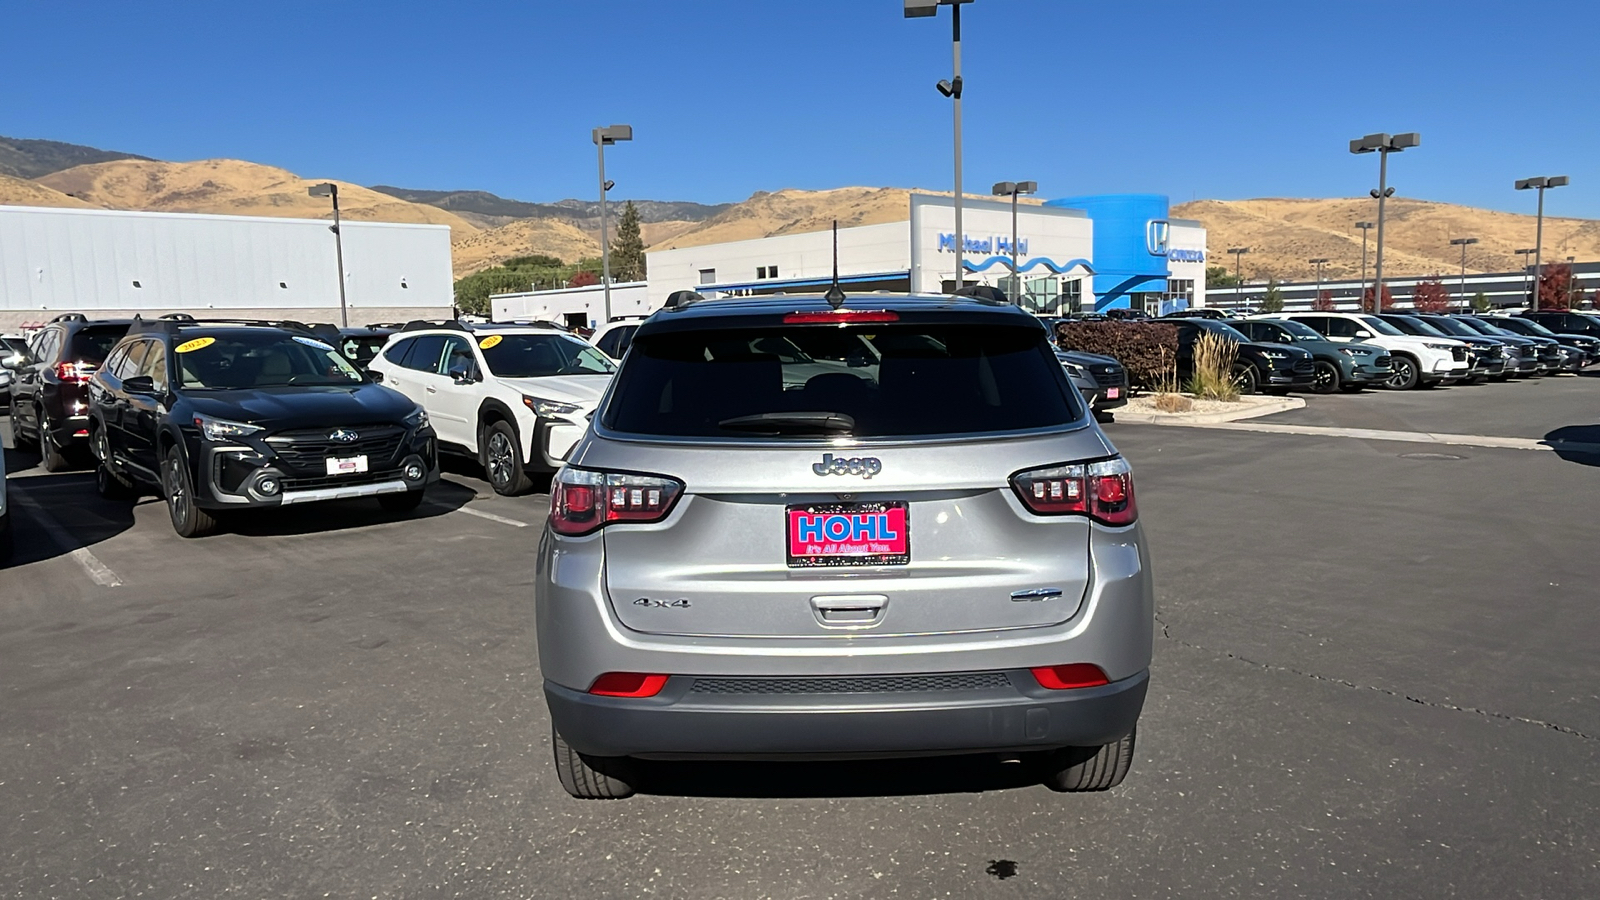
(1089, 768)
(1405, 375)
(1244, 376)
(108, 484)
(17, 440)
(592, 777)
(188, 520)
(53, 454)
(1326, 380)
(502, 461)
(401, 503)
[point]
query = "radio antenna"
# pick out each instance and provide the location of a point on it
(835, 295)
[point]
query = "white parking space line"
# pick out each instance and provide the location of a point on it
(1411, 437)
(98, 571)
(482, 515)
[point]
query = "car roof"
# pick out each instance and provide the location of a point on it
(772, 309)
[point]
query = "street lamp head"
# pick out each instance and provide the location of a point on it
(918, 9)
(1027, 187)
(324, 189)
(612, 135)
(609, 184)
(1237, 251)
(1528, 184)
(1364, 225)
(1463, 242)
(1318, 261)
(950, 88)
(1369, 144)
(1004, 188)
(1404, 141)
(1556, 181)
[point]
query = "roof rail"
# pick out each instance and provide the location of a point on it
(173, 321)
(178, 317)
(377, 325)
(424, 324)
(71, 317)
(681, 299)
(984, 293)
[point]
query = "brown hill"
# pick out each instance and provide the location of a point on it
(22, 192)
(234, 187)
(794, 211)
(1283, 234)
(522, 237)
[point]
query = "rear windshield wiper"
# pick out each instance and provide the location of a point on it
(792, 423)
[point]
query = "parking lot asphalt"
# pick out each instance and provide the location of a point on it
(1373, 678)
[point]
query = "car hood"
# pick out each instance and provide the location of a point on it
(281, 408)
(1293, 351)
(1367, 348)
(1086, 359)
(584, 390)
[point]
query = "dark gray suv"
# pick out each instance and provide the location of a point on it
(889, 528)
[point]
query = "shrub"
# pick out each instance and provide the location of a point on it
(1272, 300)
(1214, 356)
(1147, 351)
(1480, 302)
(1173, 403)
(1555, 286)
(1324, 302)
(1388, 300)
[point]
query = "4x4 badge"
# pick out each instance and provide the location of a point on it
(865, 466)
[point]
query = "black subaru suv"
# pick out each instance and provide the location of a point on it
(1277, 368)
(233, 415)
(49, 387)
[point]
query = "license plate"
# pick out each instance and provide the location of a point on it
(1113, 393)
(849, 534)
(351, 465)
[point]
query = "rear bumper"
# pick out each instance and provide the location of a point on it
(681, 723)
(1100, 397)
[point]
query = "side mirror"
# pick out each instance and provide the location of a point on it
(461, 373)
(1363, 333)
(13, 361)
(139, 384)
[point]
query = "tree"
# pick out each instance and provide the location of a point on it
(1555, 286)
(583, 278)
(1366, 299)
(1324, 302)
(1272, 300)
(627, 251)
(536, 261)
(1219, 276)
(1429, 296)
(1480, 302)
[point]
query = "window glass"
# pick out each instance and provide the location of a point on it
(113, 362)
(1379, 326)
(397, 352)
(1344, 328)
(361, 349)
(539, 355)
(1318, 324)
(91, 344)
(873, 381)
(457, 352)
(44, 349)
(155, 364)
(425, 353)
(260, 358)
(611, 344)
(132, 360)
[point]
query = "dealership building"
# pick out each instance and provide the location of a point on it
(114, 263)
(1074, 254)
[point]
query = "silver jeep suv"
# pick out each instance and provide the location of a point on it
(882, 526)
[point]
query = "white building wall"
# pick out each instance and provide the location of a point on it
(863, 250)
(1043, 233)
(88, 260)
(1186, 255)
(627, 299)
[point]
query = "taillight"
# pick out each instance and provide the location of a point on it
(75, 372)
(583, 501)
(1070, 676)
(1103, 491)
(628, 684)
(842, 317)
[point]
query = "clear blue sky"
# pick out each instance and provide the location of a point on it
(1197, 99)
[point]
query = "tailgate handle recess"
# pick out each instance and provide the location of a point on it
(849, 611)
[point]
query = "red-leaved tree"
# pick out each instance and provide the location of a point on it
(1366, 300)
(1429, 296)
(1324, 302)
(1555, 286)
(584, 278)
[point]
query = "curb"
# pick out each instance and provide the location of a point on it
(1254, 410)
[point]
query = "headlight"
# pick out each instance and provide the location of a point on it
(1074, 370)
(1354, 351)
(1442, 348)
(546, 408)
(417, 419)
(222, 429)
(1274, 354)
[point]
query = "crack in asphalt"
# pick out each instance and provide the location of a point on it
(1166, 634)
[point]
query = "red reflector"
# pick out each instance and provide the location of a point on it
(628, 684)
(841, 317)
(81, 432)
(1070, 676)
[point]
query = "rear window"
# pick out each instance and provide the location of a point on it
(867, 381)
(93, 343)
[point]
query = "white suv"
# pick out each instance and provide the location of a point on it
(514, 397)
(1423, 361)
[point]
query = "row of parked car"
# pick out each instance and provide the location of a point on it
(1327, 352)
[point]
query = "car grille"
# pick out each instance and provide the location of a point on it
(872, 684)
(307, 451)
(327, 481)
(1380, 361)
(1304, 367)
(1459, 354)
(1107, 375)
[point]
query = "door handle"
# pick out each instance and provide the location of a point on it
(395, 382)
(849, 611)
(433, 390)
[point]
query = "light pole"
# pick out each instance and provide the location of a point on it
(1525, 252)
(1528, 184)
(1015, 189)
(603, 138)
(1238, 280)
(1572, 279)
(1383, 145)
(1365, 228)
(1319, 262)
(917, 9)
(1463, 243)
(329, 189)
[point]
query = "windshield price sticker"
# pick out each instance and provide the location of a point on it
(490, 342)
(196, 344)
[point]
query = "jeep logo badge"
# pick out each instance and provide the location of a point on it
(865, 466)
(343, 436)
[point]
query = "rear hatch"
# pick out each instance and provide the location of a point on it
(844, 481)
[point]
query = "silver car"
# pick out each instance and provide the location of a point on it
(929, 549)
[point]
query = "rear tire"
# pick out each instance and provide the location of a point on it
(502, 461)
(188, 520)
(592, 777)
(108, 484)
(54, 457)
(401, 503)
(17, 440)
(1327, 379)
(1075, 769)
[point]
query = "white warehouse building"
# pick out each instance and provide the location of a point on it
(114, 263)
